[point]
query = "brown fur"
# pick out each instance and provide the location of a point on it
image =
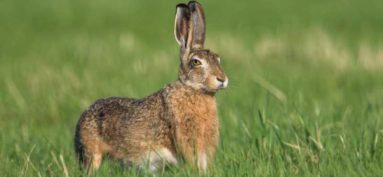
(194, 115)
(178, 120)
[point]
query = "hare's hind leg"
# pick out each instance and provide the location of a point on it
(93, 162)
(90, 156)
(90, 149)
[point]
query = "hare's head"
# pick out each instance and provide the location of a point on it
(200, 68)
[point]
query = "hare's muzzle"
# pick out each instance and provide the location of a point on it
(222, 82)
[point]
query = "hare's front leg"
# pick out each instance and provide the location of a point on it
(197, 156)
(196, 151)
(205, 151)
(202, 161)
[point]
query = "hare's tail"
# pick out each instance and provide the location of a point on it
(79, 147)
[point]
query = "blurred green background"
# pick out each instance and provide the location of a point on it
(306, 81)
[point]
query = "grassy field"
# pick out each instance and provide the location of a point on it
(306, 81)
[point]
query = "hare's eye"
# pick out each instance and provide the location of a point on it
(195, 62)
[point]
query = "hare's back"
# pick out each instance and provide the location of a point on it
(127, 109)
(126, 113)
(112, 105)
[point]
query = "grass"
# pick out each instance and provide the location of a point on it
(306, 81)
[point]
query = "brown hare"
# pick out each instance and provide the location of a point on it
(177, 122)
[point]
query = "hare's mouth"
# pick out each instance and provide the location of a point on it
(224, 84)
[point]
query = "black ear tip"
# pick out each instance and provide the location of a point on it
(182, 5)
(192, 5)
(183, 8)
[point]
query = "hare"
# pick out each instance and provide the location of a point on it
(177, 122)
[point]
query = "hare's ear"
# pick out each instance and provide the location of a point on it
(181, 25)
(197, 25)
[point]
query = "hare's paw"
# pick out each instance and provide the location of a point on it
(202, 161)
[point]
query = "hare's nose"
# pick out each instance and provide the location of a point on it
(223, 81)
(220, 79)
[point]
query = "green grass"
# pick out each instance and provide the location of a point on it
(306, 81)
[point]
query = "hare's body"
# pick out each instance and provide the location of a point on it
(180, 120)
(124, 129)
(150, 131)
